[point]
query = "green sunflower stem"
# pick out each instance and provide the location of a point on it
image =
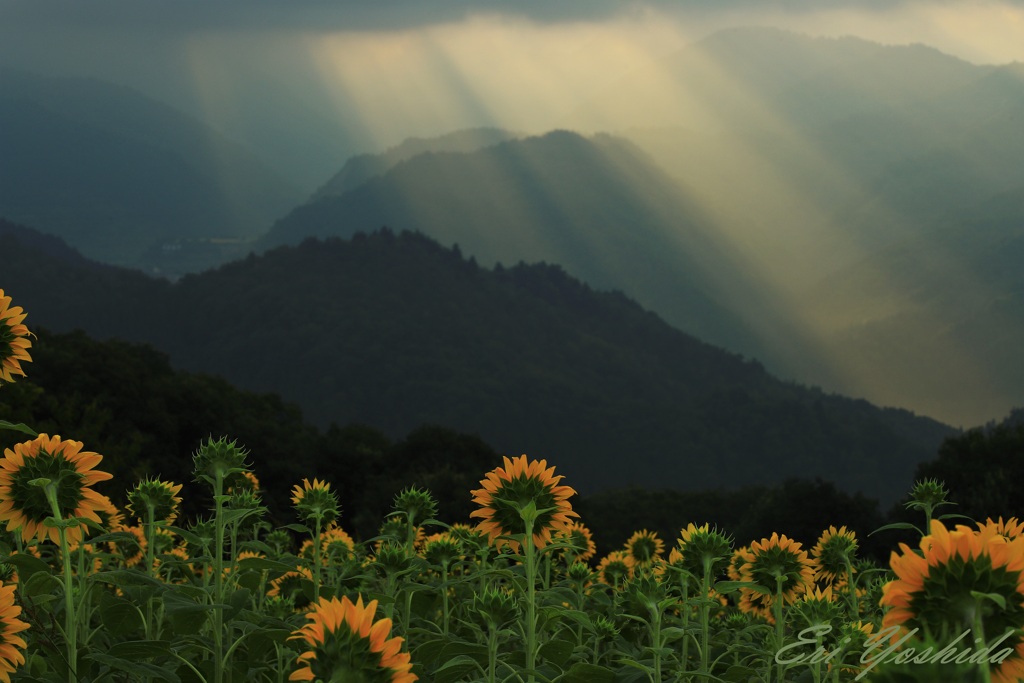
(446, 617)
(705, 616)
(70, 620)
(218, 577)
(684, 585)
(780, 624)
(531, 599)
(979, 632)
(492, 654)
(150, 557)
(655, 611)
(851, 591)
(316, 559)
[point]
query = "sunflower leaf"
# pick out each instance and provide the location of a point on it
(27, 565)
(994, 597)
(581, 672)
(895, 525)
(18, 427)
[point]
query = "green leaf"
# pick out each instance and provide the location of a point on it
(581, 672)
(140, 649)
(994, 597)
(18, 427)
(557, 652)
(141, 670)
(895, 525)
(726, 587)
(476, 651)
(126, 577)
(41, 584)
(119, 616)
(27, 565)
(955, 515)
(263, 564)
(454, 669)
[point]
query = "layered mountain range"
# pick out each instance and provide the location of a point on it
(395, 330)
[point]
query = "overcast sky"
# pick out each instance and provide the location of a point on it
(355, 76)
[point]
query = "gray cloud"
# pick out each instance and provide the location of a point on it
(332, 15)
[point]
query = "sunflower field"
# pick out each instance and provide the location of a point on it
(90, 592)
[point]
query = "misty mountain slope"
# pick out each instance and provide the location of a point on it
(116, 173)
(945, 318)
(854, 185)
(396, 330)
(362, 167)
(597, 207)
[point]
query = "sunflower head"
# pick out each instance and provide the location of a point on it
(779, 564)
(704, 548)
(817, 607)
(12, 645)
(580, 574)
(336, 547)
(48, 477)
(110, 516)
(294, 586)
(129, 542)
(391, 557)
(219, 460)
(347, 644)
(279, 540)
(441, 550)
(927, 495)
(644, 548)
(522, 493)
(249, 506)
(615, 569)
(154, 500)
(1010, 529)
(497, 606)
(243, 481)
(315, 502)
(417, 505)
(14, 340)
(576, 543)
(959, 578)
(835, 551)
(605, 629)
(339, 547)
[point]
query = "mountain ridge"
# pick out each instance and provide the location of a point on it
(397, 330)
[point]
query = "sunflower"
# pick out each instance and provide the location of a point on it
(290, 587)
(615, 569)
(644, 549)
(702, 545)
(14, 340)
(70, 472)
(509, 490)
(160, 496)
(834, 554)
(935, 590)
(347, 644)
(110, 515)
(315, 502)
(579, 542)
(130, 545)
(1010, 529)
(11, 643)
(336, 546)
(442, 550)
(779, 564)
